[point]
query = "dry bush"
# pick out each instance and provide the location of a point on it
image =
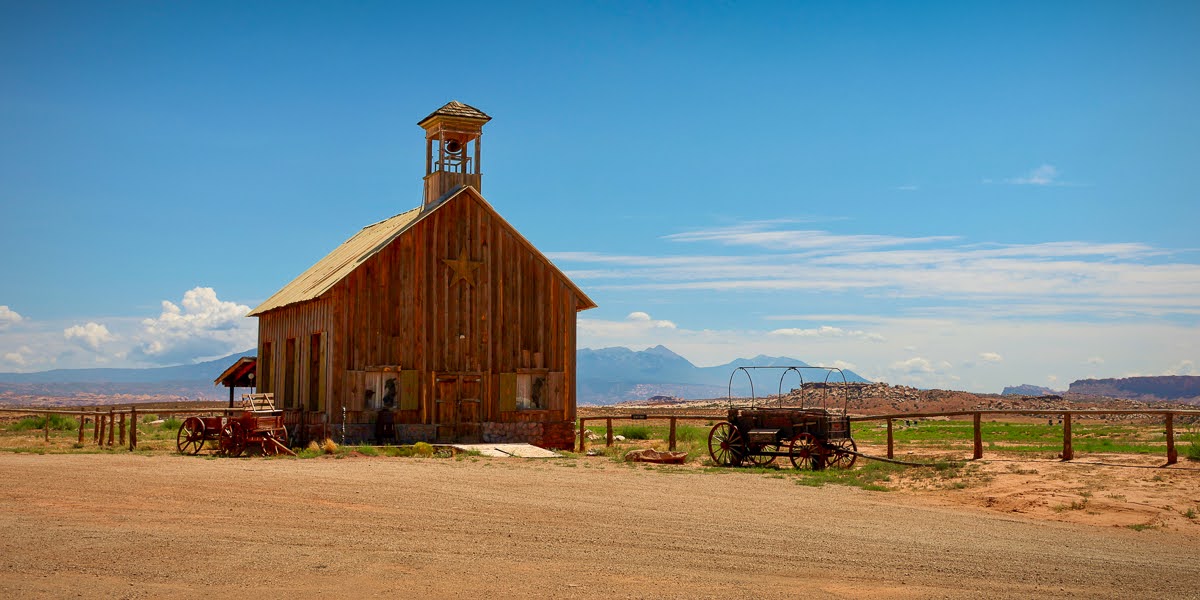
(329, 446)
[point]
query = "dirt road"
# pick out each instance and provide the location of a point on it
(117, 526)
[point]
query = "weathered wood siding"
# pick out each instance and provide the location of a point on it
(298, 322)
(405, 309)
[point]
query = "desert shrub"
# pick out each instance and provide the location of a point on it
(366, 450)
(171, 424)
(422, 449)
(329, 446)
(57, 422)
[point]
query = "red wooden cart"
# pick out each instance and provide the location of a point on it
(259, 427)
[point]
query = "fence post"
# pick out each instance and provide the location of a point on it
(122, 434)
(103, 422)
(112, 426)
(891, 454)
(582, 435)
(978, 439)
(1068, 452)
(46, 427)
(671, 441)
(1172, 454)
(609, 437)
(133, 429)
(95, 425)
(82, 422)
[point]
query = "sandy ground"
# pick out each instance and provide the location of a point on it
(121, 526)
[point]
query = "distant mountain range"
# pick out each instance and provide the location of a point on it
(1166, 387)
(619, 374)
(604, 376)
(204, 372)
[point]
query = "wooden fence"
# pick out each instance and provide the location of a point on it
(637, 417)
(111, 426)
(1068, 452)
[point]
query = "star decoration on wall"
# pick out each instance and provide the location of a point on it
(463, 267)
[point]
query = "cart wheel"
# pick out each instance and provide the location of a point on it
(233, 439)
(269, 448)
(758, 459)
(840, 457)
(725, 445)
(803, 451)
(190, 438)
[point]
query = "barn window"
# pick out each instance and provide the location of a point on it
(531, 392)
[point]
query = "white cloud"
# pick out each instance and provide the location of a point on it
(89, 336)
(8, 317)
(21, 357)
(1080, 279)
(828, 331)
(991, 357)
(765, 233)
(913, 365)
(1095, 360)
(907, 188)
(1043, 175)
(205, 327)
(1184, 367)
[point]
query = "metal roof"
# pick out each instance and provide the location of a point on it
(336, 265)
(322, 276)
(454, 108)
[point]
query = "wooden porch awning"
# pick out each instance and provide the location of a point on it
(239, 374)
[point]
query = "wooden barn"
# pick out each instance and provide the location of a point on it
(440, 324)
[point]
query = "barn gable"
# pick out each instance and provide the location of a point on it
(335, 266)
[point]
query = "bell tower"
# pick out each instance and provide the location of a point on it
(449, 159)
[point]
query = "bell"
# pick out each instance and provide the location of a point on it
(453, 146)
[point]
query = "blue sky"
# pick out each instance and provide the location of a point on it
(958, 194)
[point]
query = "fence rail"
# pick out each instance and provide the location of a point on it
(637, 417)
(1068, 452)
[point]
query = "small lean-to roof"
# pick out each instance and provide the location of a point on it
(336, 265)
(238, 374)
(456, 109)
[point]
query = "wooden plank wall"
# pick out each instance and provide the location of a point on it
(404, 308)
(296, 322)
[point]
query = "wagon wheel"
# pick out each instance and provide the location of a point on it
(233, 438)
(803, 451)
(190, 438)
(840, 456)
(279, 435)
(725, 445)
(758, 459)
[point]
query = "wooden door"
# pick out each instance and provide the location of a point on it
(457, 406)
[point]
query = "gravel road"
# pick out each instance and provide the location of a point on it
(119, 526)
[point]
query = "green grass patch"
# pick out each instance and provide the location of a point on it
(57, 423)
(871, 476)
(635, 432)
